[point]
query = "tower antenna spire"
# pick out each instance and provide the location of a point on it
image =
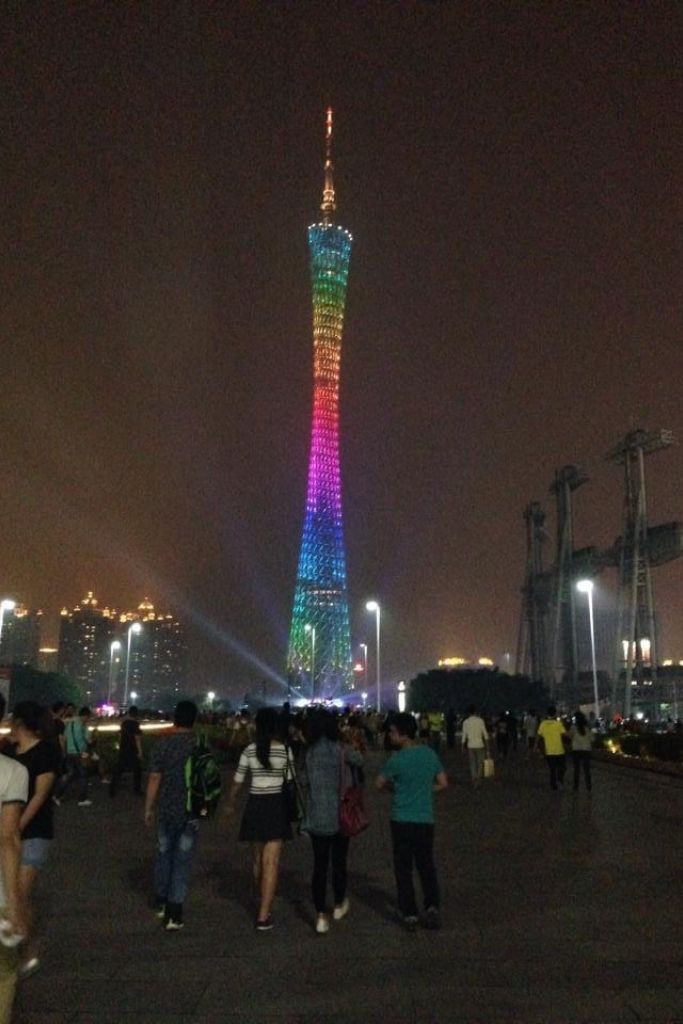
(329, 204)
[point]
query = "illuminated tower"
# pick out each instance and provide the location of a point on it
(319, 657)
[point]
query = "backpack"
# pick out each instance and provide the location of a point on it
(202, 781)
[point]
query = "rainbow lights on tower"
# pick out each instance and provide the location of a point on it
(319, 656)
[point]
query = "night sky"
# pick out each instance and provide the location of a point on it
(511, 177)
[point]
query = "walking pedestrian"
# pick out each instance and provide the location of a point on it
(437, 724)
(13, 797)
(513, 729)
(475, 739)
(41, 760)
(130, 753)
(413, 774)
(552, 734)
(330, 767)
(582, 744)
(77, 737)
(177, 826)
(450, 728)
(502, 735)
(265, 823)
(529, 730)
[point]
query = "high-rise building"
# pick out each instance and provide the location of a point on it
(85, 636)
(158, 656)
(20, 641)
(48, 659)
(319, 657)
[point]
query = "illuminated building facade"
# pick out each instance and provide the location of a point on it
(20, 643)
(158, 653)
(158, 656)
(85, 635)
(319, 656)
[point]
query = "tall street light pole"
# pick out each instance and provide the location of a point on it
(586, 587)
(364, 649)
(114, 647)
(6, 605)
(311, 629)
(373, 606)
(134, 627)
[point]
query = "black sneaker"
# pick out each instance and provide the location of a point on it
(266, 925)
(432, 919)
(410, 922)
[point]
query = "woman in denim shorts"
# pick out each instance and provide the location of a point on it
(40, 758)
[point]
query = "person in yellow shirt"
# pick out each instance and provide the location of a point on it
(552, 732)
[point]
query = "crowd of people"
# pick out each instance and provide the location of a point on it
(322, 756)
(301, 769)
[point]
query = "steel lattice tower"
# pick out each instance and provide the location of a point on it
(319, 656)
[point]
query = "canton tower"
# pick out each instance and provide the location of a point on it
(319, 656)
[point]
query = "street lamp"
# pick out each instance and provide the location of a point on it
(134, 627)
(311, 629)
(114, 646)
(364, 649)
(6, 605)
(402, 696)
(373, 606)
(133, 696)
(211, 696)
(586, 587)
(365, 699)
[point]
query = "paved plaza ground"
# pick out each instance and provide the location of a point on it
(557, 909)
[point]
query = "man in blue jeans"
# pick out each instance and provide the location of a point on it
(177, 829)
(414, 773)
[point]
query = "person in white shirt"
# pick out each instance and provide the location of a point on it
(476, 739)
(13, 797)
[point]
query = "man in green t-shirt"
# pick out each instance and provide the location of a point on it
(552, 733)
(414, 773)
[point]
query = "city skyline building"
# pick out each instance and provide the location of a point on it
(20, 642)
(158, 662)
(94, 648)
(319, 661)
(85, 635)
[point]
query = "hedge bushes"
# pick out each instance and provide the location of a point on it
(666, 746)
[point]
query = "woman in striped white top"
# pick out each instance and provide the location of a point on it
(265, 823)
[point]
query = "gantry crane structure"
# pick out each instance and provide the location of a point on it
(547, 647)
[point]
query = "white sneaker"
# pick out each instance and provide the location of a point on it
(8, 937)
(341, 911)
(322, 925)
(28, 968)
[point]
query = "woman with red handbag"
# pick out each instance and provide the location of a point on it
(329, 774)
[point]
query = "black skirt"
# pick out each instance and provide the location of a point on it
(265, 818)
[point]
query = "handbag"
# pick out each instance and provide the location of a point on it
(489, 768)
(290, 793)
(352, 815)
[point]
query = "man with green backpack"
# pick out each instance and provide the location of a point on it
(183, 786)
